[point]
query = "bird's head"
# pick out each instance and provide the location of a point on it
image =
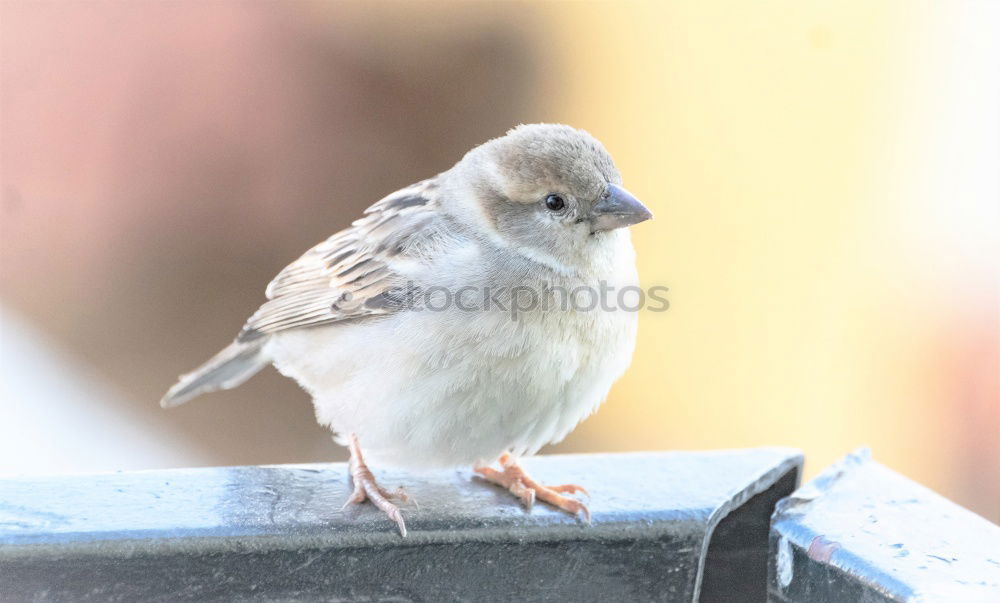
(550, 191)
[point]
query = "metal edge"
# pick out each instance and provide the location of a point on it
(764, 482)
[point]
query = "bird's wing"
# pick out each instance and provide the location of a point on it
(350, 275)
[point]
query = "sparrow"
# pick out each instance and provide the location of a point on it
(403, 329)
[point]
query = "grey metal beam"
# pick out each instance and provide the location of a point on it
(665, 526)
(861, 532)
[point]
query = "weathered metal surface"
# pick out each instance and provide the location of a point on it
(860, 532)
(278, 532)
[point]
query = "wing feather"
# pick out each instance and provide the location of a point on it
(350, 274)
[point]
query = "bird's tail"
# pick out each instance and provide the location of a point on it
(232, 366)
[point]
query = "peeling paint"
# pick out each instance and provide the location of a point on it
(821, 549)
(784, 562)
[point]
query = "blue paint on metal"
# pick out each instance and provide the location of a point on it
(279, 532)
(860, 531)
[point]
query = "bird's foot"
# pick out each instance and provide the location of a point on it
(513, 477)
(366, 488)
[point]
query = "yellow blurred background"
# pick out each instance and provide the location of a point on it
(824, 177)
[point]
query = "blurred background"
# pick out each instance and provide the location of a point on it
(824, 176)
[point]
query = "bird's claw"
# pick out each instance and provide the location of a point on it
(366, 488)
(527, 490)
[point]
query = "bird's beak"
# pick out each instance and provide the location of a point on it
(616, 209)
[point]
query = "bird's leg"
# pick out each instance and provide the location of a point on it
(513, 477)
(366, 488)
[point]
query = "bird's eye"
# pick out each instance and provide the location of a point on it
(555, 202)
